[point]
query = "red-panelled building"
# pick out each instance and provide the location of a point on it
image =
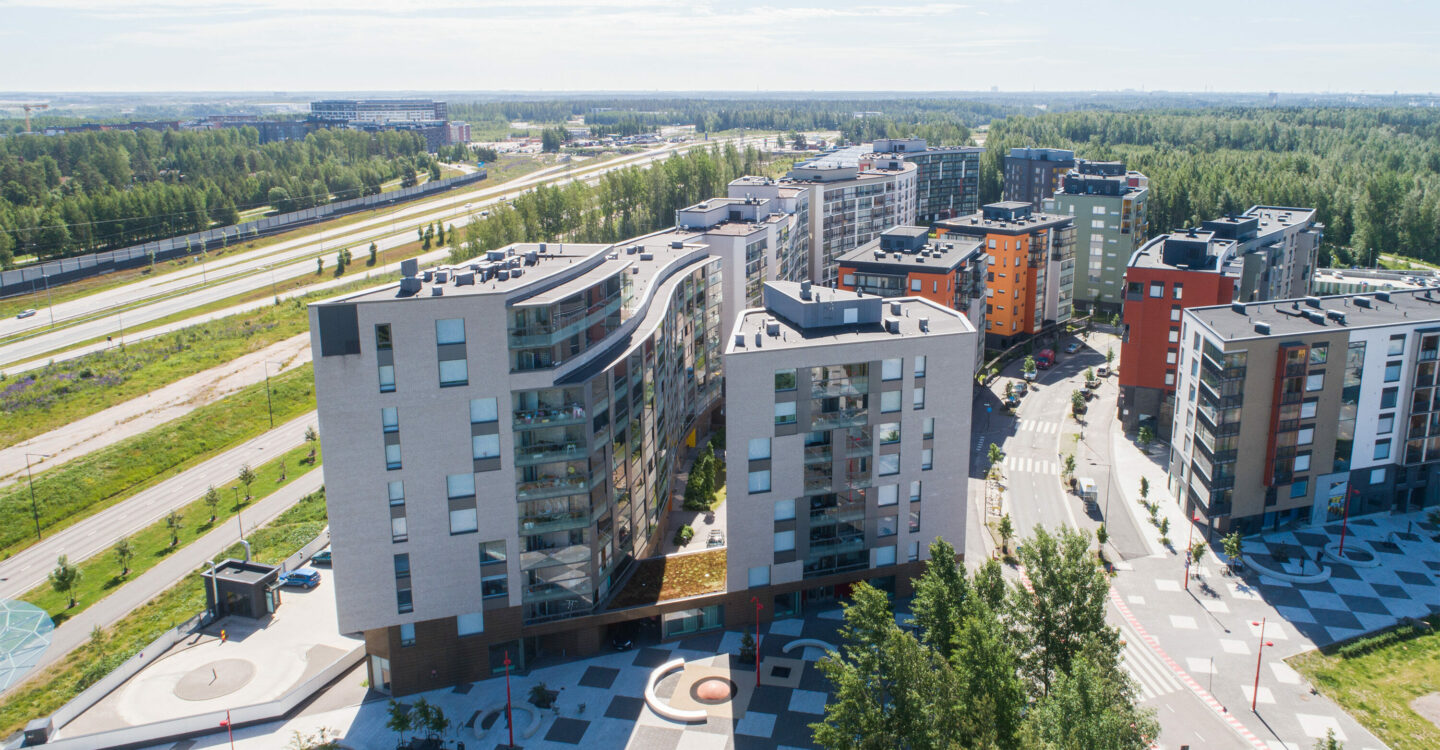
(1166, 275)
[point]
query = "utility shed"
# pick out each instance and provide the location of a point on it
(242, 587)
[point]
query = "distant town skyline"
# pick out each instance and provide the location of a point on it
(640, 45)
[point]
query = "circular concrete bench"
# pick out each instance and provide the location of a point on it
(661, 707)
(1320, 577)
(1332, 553)
(527, 732)
(805, 642)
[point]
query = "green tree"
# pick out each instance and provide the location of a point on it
(1329, 742)
(551, 139)
(124, 553)
(279, 198)
(313, 438)
(1110, 356)
(1065, 613)
(940, 594)
(212, 500)
(1144, 488)
(1069, 464)
(246, 475)
(64, 578)
(1146, 436)
(1029, 364)
(374, 253)
(319, 266)
(1233, 548)
(996, 456)
(399, 719)
(1007, 532)
(1077, 403)
(1197, 551)
(1090, 707)
(174, 522)
(1102, 536)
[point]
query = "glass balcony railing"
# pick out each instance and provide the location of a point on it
(574, 554)
(553, 522)
(819, 454)
(571, 413)
(836, 545)
(544, 452)
(555, 487)
(841, 419)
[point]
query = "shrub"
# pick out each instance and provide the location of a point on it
(683, 535)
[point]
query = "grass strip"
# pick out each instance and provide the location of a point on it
(79, 488)
(52, 687)
(1376, 678)
(103, 573)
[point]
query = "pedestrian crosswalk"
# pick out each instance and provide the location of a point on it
(1038, 425)
(1031, 465)
(1152, 676)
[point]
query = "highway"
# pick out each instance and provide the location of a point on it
(153, 299)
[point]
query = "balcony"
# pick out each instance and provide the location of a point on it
(836, 420)
(555, 486)
(819, 454)
(571, 413)
(553, 522)
(540, 453)
(823, 389)
(836, 545)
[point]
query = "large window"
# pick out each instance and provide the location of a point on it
(920, 366)
(888, 494)
(785, 412)
(785, 380)
(392, 457)
(407, 635)
(453, 372)
(470, 624)
(1392, 372)
(889, 433)
(493, 580)
(485, 446)
(759, 449)
(382, 337)
(387, 378)
(1314, 381)
(450, 331)
(460, 485)
(759, 481)
(396, 491)
(1382, 450)
(784, 541)
(918, 398)
(389, 419)
(483, 410)
(892, 369)
(785, 510)
(890, 401)
(463, 521)
(889, 463)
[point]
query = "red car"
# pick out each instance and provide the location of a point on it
(1045, 358)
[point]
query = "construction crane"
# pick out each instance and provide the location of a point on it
(28, 108)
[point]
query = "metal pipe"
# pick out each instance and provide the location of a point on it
(247, 550)
(214, 591)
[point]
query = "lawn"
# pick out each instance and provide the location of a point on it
(78, 488)
(1376, 678)
(50, 689)
(102, 573)
(658, 579)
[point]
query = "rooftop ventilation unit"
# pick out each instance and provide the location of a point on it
(925, 325)
(647, 256)
(495, 255)
(892, 325)
(1336, 315)
(516, 272)
(1382, 296)
(1262, 328)
(772, 327)
(436, 291)
(740, 341)
(542, 247)
(1237, 307)
(1362, 302)
(409, 267)
(503, 274)
(427, 275)
(410, 285)
(805, 290)
(677, 244)
(441, 277)
(895, 308)
(1315, 317)
(1312, 301)
(531, 258)
(464, 279)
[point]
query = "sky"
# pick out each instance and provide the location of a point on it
(1374, 46)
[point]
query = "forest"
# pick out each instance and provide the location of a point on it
(81, 192)
(1372, 174)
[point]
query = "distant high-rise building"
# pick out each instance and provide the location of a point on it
(380, 111)
(1032, 174)
(947, 180)
(1108, 204)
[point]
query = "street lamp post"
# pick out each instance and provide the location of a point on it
(1255, 692)
(758, 607)
(1188, 542)
(508, 723)
(49, 299)
(34, 506)
(269, 404)
(1345, 521)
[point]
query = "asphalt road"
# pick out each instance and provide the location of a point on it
(227, 277)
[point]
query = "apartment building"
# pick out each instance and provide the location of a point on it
(1363, 280)
(947, 177)
(852, 414)
(847, 204)
(1266, 253)
(1108, 203)
(1031, 257)
(1033, 174)
(446, 559)
(903, 261)
(1293, 410)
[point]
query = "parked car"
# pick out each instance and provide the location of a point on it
(1072, 347)
(716, 538)
(26, 313)
(1102, 371)
(1029, 374)
(1020, 388)
(321, 558)
(303, 577)
(1045, 358)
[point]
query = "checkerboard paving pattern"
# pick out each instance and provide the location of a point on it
(1355, 600)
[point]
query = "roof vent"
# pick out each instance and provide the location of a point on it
(436, 291)
(503, 274)
(516, 272)
(1312, 301)
(410, 285)
(542, 247)
(1237, 307)
(1362, 301)
(740, 341)
(495, 255)
(647, 256)
(805, 290)
(1382, 296)
(1262, 328)
(892, 325)
(409, 267)
(759, 342)
(464, 279)
(1314, 316)
(772, 327)
(427, 275)
(677, 244)
(634, 269)
(441, 277)
(1336, 315)
(894, 308)
(925, 325)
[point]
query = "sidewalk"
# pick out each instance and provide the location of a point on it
(154, 581)
(153, 409)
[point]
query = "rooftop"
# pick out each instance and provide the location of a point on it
(1192, 251)
(978, 224)
(242, 571)
(799, 316)
(1239, 321)
(943, 255)
(504, 271)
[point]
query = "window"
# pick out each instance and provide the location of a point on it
(759, 576)
(387, 378)
(483, 410)
(402, 566)
(397, 493)
(495, 585)
(889, 433)
(915, 488)
(914, 554)
(1100, 210)
(759, 449)
(784, 380)
(392, 457)
(1319, 353)
(1392, 372)
(1307, 409)
(890, 401)
(460, 485)
(920, 366)
(785, 510)
(1385, 424)
(1178, 288)
(888, 464)
(1174, 314)
(918, 398)
(886, 526)
(463, 521)
(848, 279)
(407, 635)
(1169, 378)
(759, 481)
(927, 428)
(450, 331)
(884, 556)
(485, 446)
(927, 459)
(389, 419)
(1382, 449)
(915, 285)
(914, 522)
(892, 369)
(1157, 289)
(1097, 223)
(1170, 357)
(888, 494)
(1388, 397)
(398, 530)
(1397, 345)
(453, 372)
(1305, 436)
(784, 541)
(1174, 337)
(1302, 463)
(1377, 476)
(492, 553)
(470, 624)
(382, 337)
(1300, 488)
(1314, 381)
(785, 412)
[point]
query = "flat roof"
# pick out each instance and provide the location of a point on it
(942, 321)
(1287, 317)
(976, 223)
(944, 255)
(556, 258)
(1152, 253)
(244, 572)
